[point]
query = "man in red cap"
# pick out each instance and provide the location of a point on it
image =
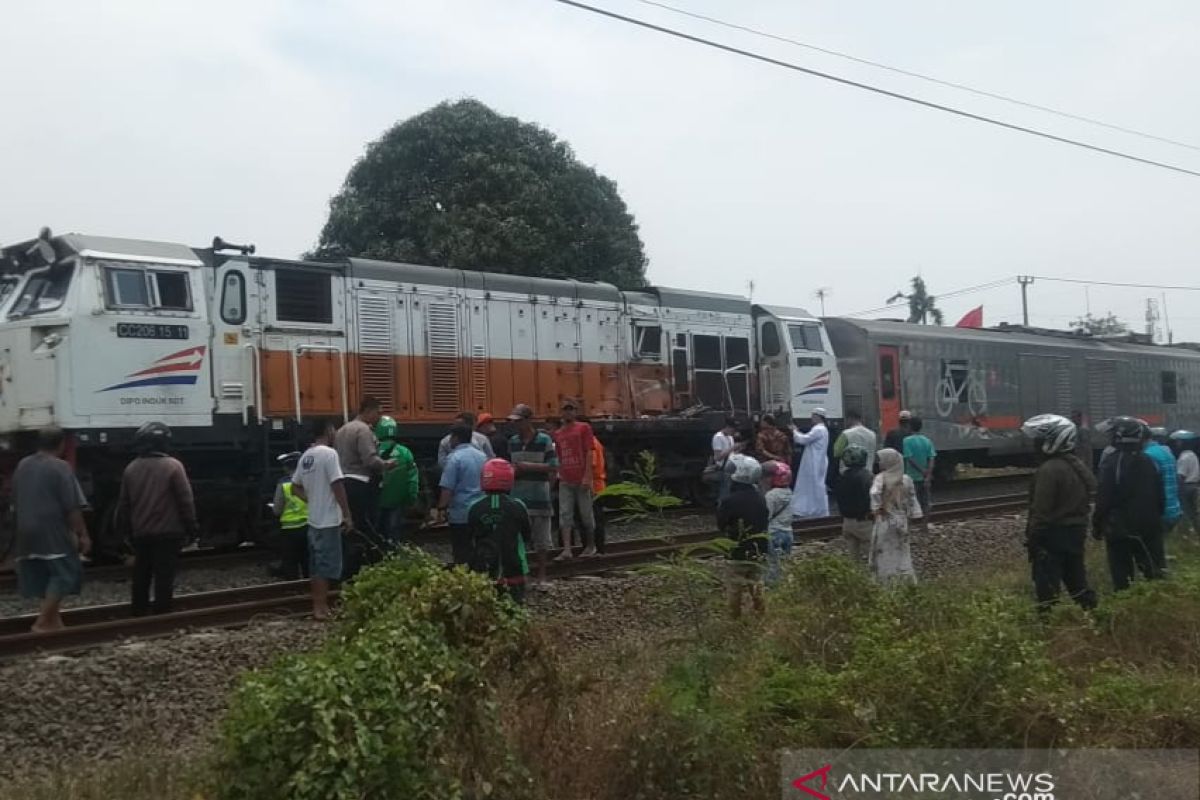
(500, 531)
(486, 424)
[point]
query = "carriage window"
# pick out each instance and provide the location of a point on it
(706, 350)
(173, 291)
(770, 339)
(887, 377)
(233, 299)
(1170, 387)
(127, 288)
(806, 336)
(302, 296)
(647, 341)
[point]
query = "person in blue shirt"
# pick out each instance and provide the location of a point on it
(461, 486)
(919, 457)
(1164, 461)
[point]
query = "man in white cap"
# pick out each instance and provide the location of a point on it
(809, 497)
(895, 437)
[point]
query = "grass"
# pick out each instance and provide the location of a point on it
(698, 707)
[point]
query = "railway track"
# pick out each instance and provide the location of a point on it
(92, 626)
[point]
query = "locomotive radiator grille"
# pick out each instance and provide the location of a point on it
(376, 367)
(442, 335)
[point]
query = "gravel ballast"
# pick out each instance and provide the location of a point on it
(169, 692)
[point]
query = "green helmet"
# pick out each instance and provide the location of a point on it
(385, 429)
(854, 455)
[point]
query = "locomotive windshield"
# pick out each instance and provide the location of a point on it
(806, 336)
(44, 291)
(7, 285)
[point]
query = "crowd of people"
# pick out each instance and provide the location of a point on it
(1147, 483)
(878, 493)
(346, 500)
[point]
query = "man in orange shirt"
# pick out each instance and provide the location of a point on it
(599, 482)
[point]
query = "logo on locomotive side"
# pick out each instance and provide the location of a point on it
(817, 387)
(177, 369)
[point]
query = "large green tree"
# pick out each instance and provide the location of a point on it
(462, 186)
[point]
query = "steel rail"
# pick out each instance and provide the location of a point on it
(91, 626)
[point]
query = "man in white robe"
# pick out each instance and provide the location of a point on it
(809, 497)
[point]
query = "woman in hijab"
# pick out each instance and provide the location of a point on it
(893, 503)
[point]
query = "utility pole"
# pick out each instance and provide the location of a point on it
(1025, 280)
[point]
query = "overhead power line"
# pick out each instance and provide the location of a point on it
(875, 89)
(919, 76)
(940, 296)
(1117, 283)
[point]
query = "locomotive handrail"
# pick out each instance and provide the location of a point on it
(256, 377)
(319, 348)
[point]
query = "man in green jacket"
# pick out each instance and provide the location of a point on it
(400, 486)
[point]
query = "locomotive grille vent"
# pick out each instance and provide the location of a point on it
(479, 375)
(376, 365)
(441, 330)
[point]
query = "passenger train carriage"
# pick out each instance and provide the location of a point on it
(974, 387)
(235, 351)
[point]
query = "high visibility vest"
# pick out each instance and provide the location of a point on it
(295, 510)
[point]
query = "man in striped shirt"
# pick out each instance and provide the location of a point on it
(532, 454)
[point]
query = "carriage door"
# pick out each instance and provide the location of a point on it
(237, 337)
(890, 401)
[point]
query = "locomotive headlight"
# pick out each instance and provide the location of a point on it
(6, 444)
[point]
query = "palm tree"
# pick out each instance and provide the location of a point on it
(922, 306)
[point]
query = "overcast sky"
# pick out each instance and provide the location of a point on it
(181, 120)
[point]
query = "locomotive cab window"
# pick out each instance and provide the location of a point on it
(43, 291)
(233, 299)
(806, 336)
(147, 289)
(302, 296)
(127, 288)
(172, 291)
(647, 341)
(1170, 387)
(771, 345)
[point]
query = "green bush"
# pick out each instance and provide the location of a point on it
(400, 703)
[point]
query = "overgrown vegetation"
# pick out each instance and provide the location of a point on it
(640, 495)
(400, 703)
(431, 687)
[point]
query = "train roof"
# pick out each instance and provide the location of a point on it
(786, 312)
(486, 281)
(70, 244)
(686, 298)
(1008, 334)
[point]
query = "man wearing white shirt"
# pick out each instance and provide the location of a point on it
(723, 445)
(318, 481)
(1188, 468)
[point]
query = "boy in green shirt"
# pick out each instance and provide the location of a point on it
(400, 485)
(919, 457)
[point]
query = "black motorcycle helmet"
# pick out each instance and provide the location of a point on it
(1129, 432)
(153, 437)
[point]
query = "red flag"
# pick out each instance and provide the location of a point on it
(972, 319)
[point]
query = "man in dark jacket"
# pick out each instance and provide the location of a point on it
(1059, 502)
(156, 507)
(743, 517)
(853, 494)
(1129, 505)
